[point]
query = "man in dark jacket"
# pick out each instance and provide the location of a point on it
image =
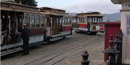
(25, 37)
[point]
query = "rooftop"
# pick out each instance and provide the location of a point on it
(119, 1)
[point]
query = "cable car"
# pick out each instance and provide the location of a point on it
(58, 23)
(88, 22)
(43, 26)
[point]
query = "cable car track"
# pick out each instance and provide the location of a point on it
(82, 45)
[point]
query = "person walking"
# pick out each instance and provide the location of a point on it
(25, 37)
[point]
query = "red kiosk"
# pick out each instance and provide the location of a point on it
(110, 29)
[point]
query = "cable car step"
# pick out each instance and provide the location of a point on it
(9, 51)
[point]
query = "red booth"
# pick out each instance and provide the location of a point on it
(110, 28)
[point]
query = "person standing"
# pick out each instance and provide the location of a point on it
(25, 37)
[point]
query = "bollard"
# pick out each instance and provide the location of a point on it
(120, 35)
(111, 51)
(118, 42)
(85, 60)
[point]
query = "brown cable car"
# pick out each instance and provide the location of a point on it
(43, 26)
(88, 22)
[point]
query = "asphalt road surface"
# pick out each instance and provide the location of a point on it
(63, 52)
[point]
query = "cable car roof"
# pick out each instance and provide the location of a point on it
(89, 14)
(119, 1)
(52, 8)
(20, 4)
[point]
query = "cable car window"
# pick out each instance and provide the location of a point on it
(63, 20)
(42, 21)
(88, 19)
(37, 21)
(74, 19)
(79, 19)
(83, 19)
(27, 20)
(95, 19)
(100, 19)
(66, 21)
(32, 21)
(60, 21)
(69, 21)
(5, 5)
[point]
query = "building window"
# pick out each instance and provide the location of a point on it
(32, 22)
(42, 21)
(27, 20)
(37, 21)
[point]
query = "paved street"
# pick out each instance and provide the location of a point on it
(63, 52)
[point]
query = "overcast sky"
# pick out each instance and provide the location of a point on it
(77, 6)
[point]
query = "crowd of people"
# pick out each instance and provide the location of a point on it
(10, 34)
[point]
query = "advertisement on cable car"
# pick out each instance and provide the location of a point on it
(97, 27)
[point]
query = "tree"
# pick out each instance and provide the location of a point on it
(28, 2)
